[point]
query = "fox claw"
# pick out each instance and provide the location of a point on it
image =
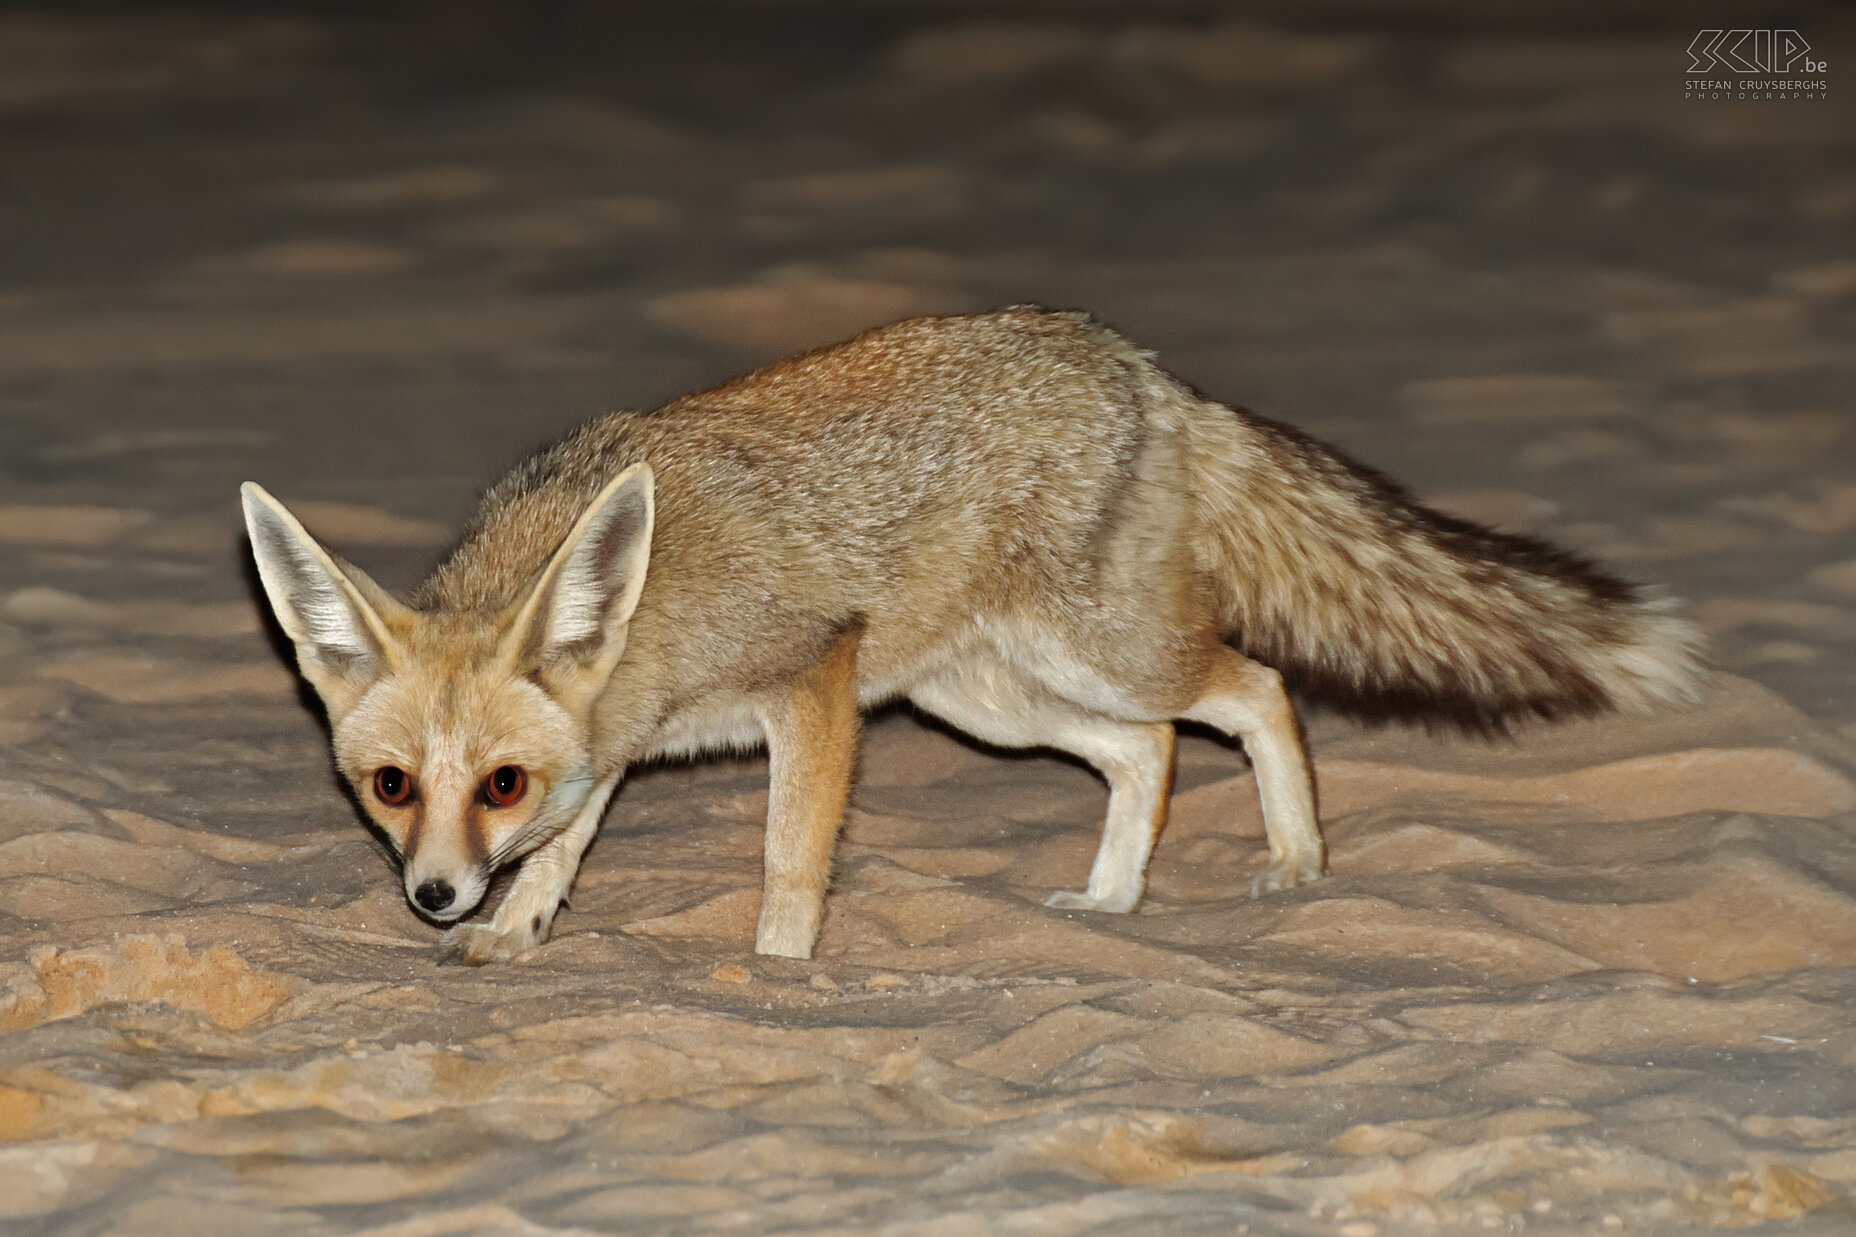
(1285, 874)
(1067, 901)
(476, 944)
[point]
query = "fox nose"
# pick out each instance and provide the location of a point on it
(434, 895)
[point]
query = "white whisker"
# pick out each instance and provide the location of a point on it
(556, 813)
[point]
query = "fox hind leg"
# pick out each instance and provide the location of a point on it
(1246, 700)
(1135, 758)
(1137, 761)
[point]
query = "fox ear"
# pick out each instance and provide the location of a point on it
(334, 614)
(576, 614)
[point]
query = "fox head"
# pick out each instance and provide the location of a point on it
(465, 735)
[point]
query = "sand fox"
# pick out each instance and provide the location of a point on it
(1015, 521)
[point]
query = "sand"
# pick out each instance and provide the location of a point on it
(1596, 978)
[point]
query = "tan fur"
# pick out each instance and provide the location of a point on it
(811, 730)
(1246, 700)
(1013, 520)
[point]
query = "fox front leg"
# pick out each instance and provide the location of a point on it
(527, 913)
(812, 746)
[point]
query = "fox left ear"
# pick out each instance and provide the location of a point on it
(339, 619)
(577, 613)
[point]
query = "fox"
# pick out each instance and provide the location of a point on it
(1016, 522)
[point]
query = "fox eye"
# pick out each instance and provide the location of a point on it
(504, 786)
(394, 786)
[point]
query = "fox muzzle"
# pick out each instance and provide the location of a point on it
(444, 898)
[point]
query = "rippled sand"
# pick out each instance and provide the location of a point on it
(1595, 978)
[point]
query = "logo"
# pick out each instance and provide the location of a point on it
(1778, 55)
(1752, 51)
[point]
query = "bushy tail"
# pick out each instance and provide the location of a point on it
(1361, 597)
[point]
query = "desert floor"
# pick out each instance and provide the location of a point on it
(1596, 978)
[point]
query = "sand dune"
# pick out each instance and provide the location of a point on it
(1565, 947)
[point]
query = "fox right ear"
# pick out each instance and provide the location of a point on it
(332, 612)
(571, 627)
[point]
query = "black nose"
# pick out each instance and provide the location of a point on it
(434, 896)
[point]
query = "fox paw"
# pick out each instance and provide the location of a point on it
(1113, 904)
(789, 924)
(785, 940)
(471, 944)
(1286, 874)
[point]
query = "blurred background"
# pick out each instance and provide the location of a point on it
(376, 252)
